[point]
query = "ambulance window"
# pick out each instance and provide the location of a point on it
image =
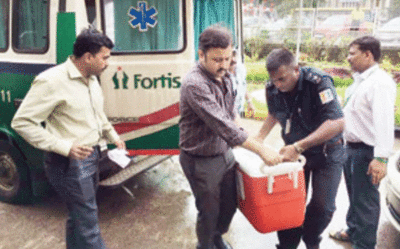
(4, 9)
(144, 26)
(91, 10)
(30, 26)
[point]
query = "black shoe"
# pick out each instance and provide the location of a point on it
(220, 243)
(282, 247)
(201, 247)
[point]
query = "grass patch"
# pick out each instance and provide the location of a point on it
(256, 72)
(261, 109)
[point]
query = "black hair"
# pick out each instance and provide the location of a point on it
(368, 43)
(215, 36)
(91, 40)
(279, 57)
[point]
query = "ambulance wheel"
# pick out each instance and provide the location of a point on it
(15, 185)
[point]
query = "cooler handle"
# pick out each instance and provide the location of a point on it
(270, 184)
(271, 179)
(301, 160)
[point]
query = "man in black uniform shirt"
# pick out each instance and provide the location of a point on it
(304, 102)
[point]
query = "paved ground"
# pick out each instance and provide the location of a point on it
(162, 215)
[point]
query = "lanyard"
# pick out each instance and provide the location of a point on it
(352, 92)
(291, 110)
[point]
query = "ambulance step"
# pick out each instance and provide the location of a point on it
(138, 165)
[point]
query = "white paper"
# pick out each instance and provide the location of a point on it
(119, 157)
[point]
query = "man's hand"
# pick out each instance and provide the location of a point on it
(289, 153)
(259, 138)
(80, 152)
(120, 144)
(377, 171)
(271, 158)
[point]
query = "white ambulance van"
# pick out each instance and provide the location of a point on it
(155, 46)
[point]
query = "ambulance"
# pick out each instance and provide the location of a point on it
(155, 46)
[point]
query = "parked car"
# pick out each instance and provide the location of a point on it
(273, 30)
(338, 25)
(389, 33)
(392, 198)
(289, 32)
(252, 25)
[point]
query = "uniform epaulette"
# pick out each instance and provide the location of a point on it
(314, 76)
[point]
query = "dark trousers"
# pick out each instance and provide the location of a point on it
(76, 182)
(364, 210)
(213, 182)
(324, 171)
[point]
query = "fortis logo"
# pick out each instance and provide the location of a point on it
(122, 81)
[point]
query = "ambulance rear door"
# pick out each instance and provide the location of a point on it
(154, 49)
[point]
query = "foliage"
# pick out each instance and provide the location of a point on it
(387, 65)
(262, 109)
(339, 82)
(321, 49)
(253, 47)
(256, 72)
(315, 49)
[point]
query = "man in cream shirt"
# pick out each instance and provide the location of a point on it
(369, 133)
(68, 99)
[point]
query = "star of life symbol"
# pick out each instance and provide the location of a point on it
(142, 17)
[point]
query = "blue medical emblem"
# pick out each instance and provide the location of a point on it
(142, 16)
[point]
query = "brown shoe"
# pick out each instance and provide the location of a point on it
(340, 235)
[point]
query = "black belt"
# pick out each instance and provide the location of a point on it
(196, 155)
(331, 145)
(97, 147)
(358, 145)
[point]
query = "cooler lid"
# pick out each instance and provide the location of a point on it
(253, 165)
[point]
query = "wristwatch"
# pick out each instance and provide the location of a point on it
(382, 159)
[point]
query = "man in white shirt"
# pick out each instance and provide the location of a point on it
(369, 134)
(238, 73)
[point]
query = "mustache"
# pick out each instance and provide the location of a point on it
(221, 70)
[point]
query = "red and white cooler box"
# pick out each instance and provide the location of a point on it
(272, 198)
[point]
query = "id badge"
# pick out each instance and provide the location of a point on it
(287, 127)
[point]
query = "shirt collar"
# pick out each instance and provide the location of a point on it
(74, 72)
(300, 80)
(210, 76)
(362, 76)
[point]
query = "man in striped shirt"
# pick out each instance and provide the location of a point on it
(208, 131)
